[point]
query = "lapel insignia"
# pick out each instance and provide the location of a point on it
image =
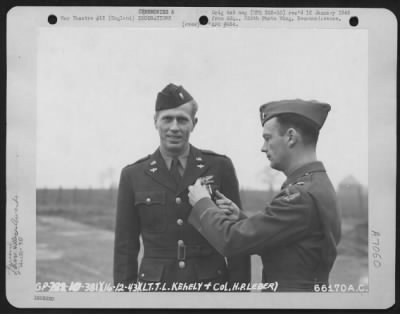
(153, 170)
(199, 159)
(153, 163)
(200, 166)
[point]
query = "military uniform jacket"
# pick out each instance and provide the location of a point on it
(296, 235)
(153, 210)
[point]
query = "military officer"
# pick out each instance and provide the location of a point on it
(153, 205)
(297, 234)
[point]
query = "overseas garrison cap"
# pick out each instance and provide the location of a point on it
(311, 109)
(172, 96)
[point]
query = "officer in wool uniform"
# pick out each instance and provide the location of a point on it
(153, 204)
(297, 234)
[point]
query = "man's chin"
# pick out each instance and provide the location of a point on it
(174, 147)
(273, 165)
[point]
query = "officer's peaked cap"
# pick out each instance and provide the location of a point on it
(172, 96)
(311, 109)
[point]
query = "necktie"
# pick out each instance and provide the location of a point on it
(175, 171)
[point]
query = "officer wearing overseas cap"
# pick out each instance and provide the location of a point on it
(153, 205)
(297, 233)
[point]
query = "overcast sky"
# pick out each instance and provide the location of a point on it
(96, 89)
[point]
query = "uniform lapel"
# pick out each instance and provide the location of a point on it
(158, 171)
(195, 167)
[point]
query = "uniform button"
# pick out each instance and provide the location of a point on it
(148, 200)
(182, 264)
(178, 200)
(142, 275)
(179, 222)
(180, 242)
(219, 272)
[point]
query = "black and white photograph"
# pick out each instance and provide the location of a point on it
(193, 152)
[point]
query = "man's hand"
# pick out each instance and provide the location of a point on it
(197, 192)
(227, 206)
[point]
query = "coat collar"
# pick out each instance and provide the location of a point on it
(182, 159)
(158, 171)
(195, 167)
(315, 166)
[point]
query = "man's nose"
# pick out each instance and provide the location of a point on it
(264, 147)
(174, 125)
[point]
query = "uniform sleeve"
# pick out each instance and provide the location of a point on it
(127, 230)
(284, 221)
(239, 266)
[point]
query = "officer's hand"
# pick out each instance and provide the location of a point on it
(227, 206)
(197, 191)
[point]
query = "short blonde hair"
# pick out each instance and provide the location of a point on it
(194, 108)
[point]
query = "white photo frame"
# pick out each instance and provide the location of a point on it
(80, 89)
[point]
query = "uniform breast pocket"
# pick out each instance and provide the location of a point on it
(151, 205)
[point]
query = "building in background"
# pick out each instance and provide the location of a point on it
(353, 199)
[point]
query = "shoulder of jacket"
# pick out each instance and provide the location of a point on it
(137, 162)
(295, 192)
(304, 182)
(308, 185)
(212, 153)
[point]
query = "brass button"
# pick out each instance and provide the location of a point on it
(182, 264)
(142, 275)
(148, 200)
(178, 200)
(179, 222)
(180, 242)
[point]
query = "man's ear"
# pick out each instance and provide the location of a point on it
(194, 122)
(155, 120)
(292, 136)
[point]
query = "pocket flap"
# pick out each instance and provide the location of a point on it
(151, 270)
(150, 197)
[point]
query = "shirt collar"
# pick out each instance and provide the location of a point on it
(315, 166)
(182, 158)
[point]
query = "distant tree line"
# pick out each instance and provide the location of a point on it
(61, 197)
(352, 198)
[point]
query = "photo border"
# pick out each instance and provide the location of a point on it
(376, 178)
